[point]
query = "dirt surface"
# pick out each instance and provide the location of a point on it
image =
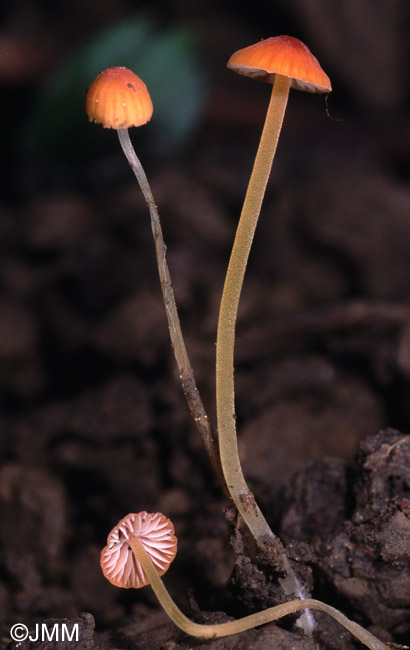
(93, 421)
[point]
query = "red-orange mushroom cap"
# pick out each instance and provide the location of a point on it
(118, 99)
(284, 55)
(155, 532)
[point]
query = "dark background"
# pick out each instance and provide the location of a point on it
(93, 422)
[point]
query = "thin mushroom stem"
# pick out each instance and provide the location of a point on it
(186, 374)
(225, 392)
(219, 630)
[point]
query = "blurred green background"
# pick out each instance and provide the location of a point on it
(166, 59)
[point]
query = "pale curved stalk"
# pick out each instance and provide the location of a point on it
(225, 392)
(247, 622)
(186, 374)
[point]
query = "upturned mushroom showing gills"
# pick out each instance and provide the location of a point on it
(284, 62)
(140, 549)
(156, 535)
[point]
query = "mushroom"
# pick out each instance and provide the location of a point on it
(156, 535)
(285, 62)
(119, 99)
(140, 549)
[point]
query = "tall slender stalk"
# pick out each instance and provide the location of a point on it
(186, 374)
(225, 390)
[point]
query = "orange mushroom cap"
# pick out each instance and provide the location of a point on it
(282, 55)
(118, 99)
(156, 533)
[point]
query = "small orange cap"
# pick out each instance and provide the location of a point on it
(156, 534)
(118, 99)
(282, 55)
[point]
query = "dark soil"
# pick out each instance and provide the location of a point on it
(93, 420)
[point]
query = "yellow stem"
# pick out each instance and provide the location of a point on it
(225, 393)
(219, 630)
(225, 398)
